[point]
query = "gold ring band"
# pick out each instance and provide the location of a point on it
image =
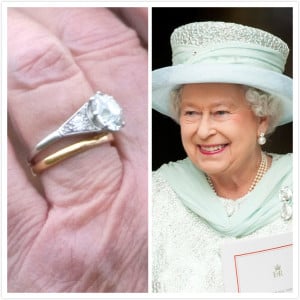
(69, 151)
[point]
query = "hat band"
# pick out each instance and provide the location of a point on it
(265, 58)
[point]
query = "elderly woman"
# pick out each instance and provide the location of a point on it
(228, 94)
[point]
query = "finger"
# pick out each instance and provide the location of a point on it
(83, 23)
(27, 209)
(121, 63)
(117, 60)
(45, 87)
(137, 18)
(37, 62)
(113, 61)
(110, 55)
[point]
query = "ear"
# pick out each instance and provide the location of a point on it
(263, 124)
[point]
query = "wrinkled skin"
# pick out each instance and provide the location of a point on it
(80, 226)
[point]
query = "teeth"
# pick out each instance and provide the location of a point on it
(212, 148)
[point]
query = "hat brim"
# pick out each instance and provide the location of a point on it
(164, 80)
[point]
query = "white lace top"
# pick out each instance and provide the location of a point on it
(185, 250)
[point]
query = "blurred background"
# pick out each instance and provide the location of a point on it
(166, 142)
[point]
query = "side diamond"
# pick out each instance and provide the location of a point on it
(78, 123)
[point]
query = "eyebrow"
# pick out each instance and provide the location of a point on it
(230, 104)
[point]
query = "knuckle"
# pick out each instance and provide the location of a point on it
(42, 61)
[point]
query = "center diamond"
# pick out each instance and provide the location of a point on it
(105, 112)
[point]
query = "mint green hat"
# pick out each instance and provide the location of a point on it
(218, 52)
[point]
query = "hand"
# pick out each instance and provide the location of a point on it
(81, 226)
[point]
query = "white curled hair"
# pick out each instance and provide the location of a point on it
(261, 103)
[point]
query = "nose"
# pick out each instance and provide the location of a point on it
(205, 127)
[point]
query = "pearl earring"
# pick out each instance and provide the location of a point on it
(261, 139)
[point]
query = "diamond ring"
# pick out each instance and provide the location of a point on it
(100, 114)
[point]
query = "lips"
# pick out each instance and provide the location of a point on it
(212, 149)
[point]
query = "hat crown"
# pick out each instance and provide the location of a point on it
(218, 52)
(207, 36)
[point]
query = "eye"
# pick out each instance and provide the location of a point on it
(190, 113)
(221, 112)
(221, 115)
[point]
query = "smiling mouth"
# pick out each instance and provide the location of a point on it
(212, 149)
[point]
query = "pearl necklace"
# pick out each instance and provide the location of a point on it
(263, 167)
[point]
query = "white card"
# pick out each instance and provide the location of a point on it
(259, 265)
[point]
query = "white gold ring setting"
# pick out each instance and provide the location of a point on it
(100, 114)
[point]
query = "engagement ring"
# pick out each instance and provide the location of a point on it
(101, 114)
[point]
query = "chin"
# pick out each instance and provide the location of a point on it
(209, 168)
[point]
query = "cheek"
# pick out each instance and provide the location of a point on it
(244, 126)
(183, 135)
(239, 118)
(187, 140)
(245, 119)
(186, 131)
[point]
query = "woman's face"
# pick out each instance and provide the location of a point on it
(218, 128)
